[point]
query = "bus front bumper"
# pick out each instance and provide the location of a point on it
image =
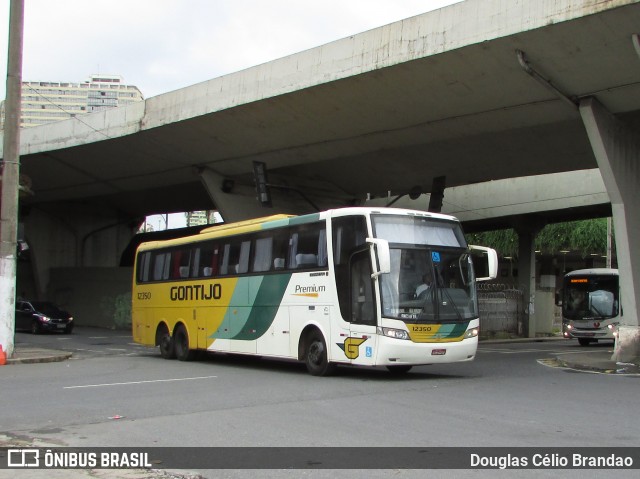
(571, 332)
(405, 352)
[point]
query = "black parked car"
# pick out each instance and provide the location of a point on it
(40, 316)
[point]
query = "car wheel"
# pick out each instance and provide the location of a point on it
(68, 329)
(35, 327)
(181, 345)
(584, 341)
(315, 356)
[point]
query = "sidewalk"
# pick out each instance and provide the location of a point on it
(37, 355)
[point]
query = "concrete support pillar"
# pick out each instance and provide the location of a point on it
(234, 202)
(237, 202)
(617, 151)
(527, 230)
(527, 279)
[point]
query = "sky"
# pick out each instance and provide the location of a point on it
(163, 45)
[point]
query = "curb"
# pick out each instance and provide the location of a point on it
(32, 356)
(599, 365)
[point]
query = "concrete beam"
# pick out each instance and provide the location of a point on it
(499, 201)
(617, 151)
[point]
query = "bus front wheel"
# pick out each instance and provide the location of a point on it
(181, 344)
(315, 356)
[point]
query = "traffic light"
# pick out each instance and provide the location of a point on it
(262, 184)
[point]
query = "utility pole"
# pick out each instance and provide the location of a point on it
(9, 188)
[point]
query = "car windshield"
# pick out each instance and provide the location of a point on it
(45, 307)
(431, 277)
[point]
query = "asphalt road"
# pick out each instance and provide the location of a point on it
(116, 393)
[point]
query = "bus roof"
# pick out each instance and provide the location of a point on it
(281, 220)
(593, 271)
(240, 224)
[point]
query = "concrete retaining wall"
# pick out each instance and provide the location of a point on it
(98, 297)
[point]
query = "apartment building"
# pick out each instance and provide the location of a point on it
(46, 102)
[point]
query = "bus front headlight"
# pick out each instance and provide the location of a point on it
(393, 333)
(471, 333)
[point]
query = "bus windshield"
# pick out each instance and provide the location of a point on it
(590, 297)
(431, 277)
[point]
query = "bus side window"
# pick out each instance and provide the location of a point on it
(161, 264)
(208, 263)
(279, 248)
(215, 260)
(195, 266)
(293, 251)
(262, 257)
(144, 262)
(243, 260)
(226, 258)
(181, 260)
(176, 257)
(235, 258)
(307, 247)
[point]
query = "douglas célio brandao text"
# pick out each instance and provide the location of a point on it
(550, 460)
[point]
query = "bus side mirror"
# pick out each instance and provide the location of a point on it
(489, 259)
(384, 256)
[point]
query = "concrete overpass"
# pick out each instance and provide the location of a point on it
(478, 91)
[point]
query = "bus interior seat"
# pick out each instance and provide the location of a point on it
(278, 263)
(207, 271)
(184, 271)
(303, 259)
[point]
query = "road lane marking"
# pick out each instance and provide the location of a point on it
(138, 382)
(516, 351)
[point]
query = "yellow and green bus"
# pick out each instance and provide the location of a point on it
(330, 288)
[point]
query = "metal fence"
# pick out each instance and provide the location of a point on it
(501, 310)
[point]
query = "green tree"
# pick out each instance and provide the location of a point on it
(505, 242)
(584, 236)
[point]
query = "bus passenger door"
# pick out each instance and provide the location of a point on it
(360, 347)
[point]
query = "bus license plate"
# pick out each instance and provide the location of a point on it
(438, 352)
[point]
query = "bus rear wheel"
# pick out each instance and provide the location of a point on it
(181, 344)
(315, 356)
(165, 341)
